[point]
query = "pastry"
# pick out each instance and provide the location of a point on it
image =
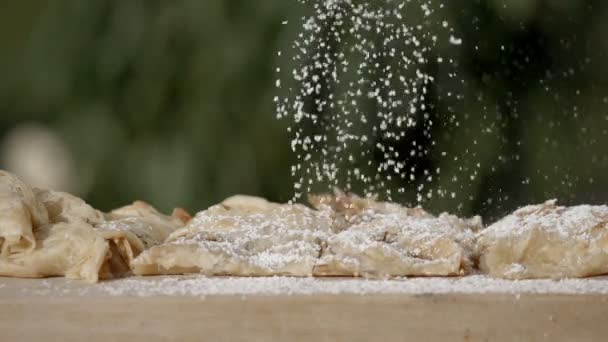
(243, 236)
(547, 241)
(20, 215)
(134, 228)
(46, 233)
(386, 240)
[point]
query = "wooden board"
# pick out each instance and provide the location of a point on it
(98, 316)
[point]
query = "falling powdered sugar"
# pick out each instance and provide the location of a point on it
(363, 81)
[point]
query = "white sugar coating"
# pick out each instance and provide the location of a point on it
(423, 230)
(425, 227)
(254, 238)
(546, 241)
(200, 286)
(362, 82)
(379, 239)
(252, 219)
(271, 240)
(568, 222)
(402, 244)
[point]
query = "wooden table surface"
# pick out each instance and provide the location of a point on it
(33, 310)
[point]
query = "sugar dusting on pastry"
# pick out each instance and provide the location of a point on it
(345, 235)
(547, 241)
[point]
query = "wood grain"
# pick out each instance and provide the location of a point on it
(453, 317)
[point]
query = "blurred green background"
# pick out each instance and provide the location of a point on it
(171, 101)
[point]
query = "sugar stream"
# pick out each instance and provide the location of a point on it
(363, 83)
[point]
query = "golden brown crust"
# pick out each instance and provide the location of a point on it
(182, 215)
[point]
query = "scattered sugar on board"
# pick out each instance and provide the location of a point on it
(199, 286)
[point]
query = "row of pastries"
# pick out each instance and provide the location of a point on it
(46, 233)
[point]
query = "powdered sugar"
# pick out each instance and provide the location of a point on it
(567, 222)
(359, 87)
(248, 240)
(200, 286)
(380, 240)
(346, 236)
(399, 244)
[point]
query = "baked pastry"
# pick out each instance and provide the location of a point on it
(71, 250)
(66, 208)
(349, 209)
(243, 236)
(547, 241)
(381, 240)
(37, 240)
(46, 233)
(132, 229)
(20, 215)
